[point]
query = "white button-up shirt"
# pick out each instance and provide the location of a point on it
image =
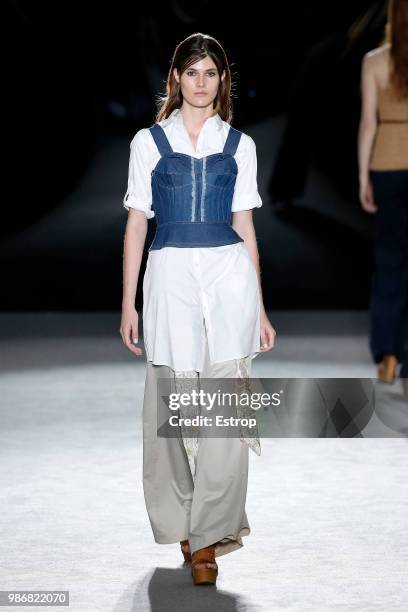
(187, 288)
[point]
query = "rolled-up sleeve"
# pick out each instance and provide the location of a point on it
(246, 195)
(139, 190)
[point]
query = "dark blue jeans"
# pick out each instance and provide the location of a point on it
(389, 289)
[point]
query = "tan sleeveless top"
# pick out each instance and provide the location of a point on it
(390, 149)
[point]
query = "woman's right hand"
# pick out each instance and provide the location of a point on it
(129, 329)
(366, 196)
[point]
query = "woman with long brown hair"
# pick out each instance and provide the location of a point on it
(383, 173)
(203, 313)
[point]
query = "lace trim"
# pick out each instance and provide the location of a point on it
(185, 381)
(243, 383)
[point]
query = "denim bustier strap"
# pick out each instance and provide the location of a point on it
(192, 197)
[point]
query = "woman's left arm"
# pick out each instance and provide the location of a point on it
(242, 223)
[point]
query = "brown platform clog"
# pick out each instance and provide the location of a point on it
(204, 575)
(387, 369)
(185, 549)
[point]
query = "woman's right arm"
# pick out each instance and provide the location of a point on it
(135, 237)
(367, 131)
(138, 201)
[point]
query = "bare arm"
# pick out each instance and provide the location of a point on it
(242, 223)
(367, 131)
(135, 237)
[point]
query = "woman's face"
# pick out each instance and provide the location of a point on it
(199, 83)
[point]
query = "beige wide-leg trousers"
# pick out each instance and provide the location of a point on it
(206, 509)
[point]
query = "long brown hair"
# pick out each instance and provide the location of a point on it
(192, 49)
(397, 36)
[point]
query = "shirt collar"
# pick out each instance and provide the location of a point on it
(176, 116)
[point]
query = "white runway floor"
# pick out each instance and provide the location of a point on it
(329, 517)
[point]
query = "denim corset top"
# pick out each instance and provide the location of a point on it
(192, 197)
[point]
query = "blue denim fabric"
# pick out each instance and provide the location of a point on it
(192, 197)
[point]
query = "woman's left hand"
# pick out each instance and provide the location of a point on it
(267, 334)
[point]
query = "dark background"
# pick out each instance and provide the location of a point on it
(82, 78)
